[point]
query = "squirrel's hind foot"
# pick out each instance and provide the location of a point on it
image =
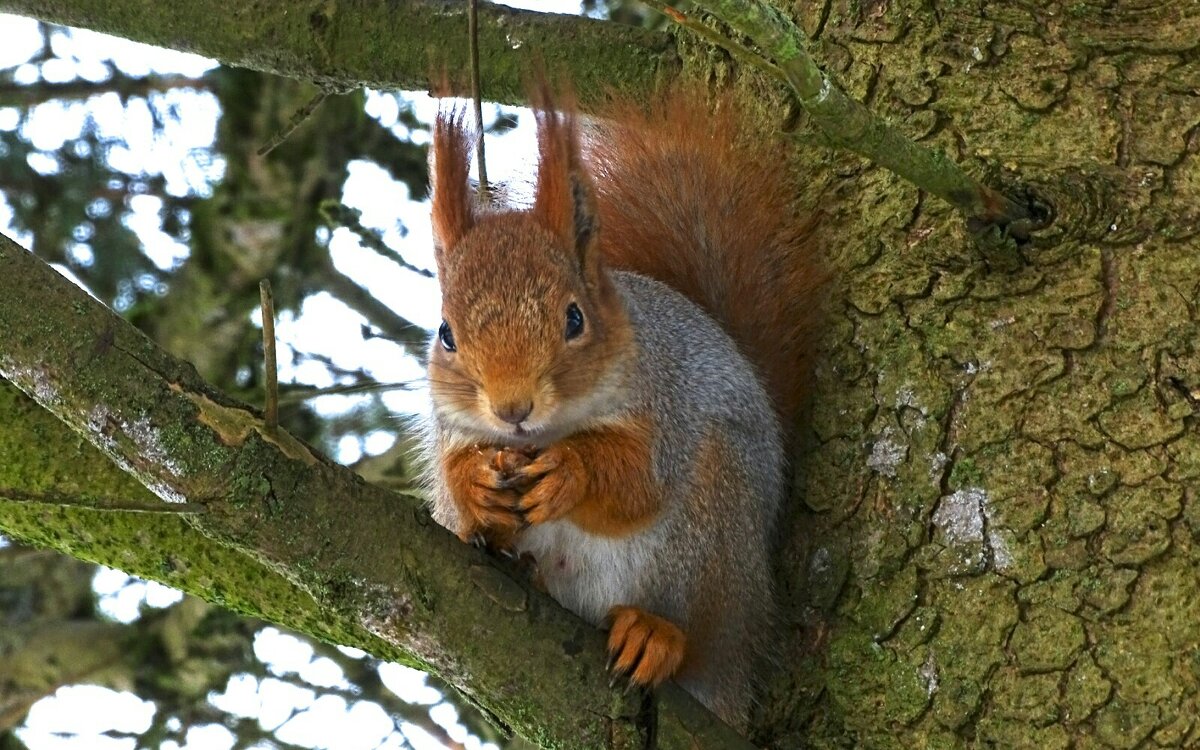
(645, 647)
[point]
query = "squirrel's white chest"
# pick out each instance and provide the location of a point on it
(588, 574)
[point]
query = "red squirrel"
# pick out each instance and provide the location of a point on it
(617, 373)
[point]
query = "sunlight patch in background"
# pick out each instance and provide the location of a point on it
(86, 711)
(300, 717)
(122, 596)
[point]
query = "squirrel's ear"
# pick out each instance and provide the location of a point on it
(565, 201)
(450, 158)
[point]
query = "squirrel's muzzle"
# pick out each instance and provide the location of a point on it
(513, 412)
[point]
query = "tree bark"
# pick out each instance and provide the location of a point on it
(997, 542)
(994, 536)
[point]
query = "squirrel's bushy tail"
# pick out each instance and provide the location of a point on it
(693, 197)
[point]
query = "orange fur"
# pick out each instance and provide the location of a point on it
(562, 180)
(678, 183)
(507, 355)
(478, 478)
(453, 207)
(600, 479)
(644, 646)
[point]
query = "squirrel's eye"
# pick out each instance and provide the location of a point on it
(574, 321)
(446, 336)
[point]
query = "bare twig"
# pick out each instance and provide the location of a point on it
(270, 364)
(407, 334)
(336, 212)
(300, 116)
(477, 97)
(14, 94)
(301, 394)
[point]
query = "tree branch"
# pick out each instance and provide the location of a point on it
(383, 43)
(372, 560)
(411, 336)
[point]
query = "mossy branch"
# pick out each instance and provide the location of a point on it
(384, 43)
(372, 560)
(849, 124)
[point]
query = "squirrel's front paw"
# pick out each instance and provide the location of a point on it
(646, 647)
(482, 484)
(553, 483)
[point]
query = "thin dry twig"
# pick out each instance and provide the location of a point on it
(302, 114)
(476, 94)
(270, 364)
(338, 213)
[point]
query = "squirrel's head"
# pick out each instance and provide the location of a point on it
(533, 333)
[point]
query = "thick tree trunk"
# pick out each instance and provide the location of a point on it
(997, 543)
(994, 535)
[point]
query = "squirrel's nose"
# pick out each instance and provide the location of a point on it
(514, 412)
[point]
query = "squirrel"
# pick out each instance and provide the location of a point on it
(619, 370)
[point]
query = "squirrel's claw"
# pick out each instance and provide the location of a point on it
(546, 462)
(555, 482)
(497, 510)
(508, 483)
(613, 679)
(621, 678)
(547, 500)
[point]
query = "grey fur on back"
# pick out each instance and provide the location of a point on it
(706, 557)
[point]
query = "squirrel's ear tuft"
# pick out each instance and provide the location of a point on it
(450, 159)
(565, 201)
